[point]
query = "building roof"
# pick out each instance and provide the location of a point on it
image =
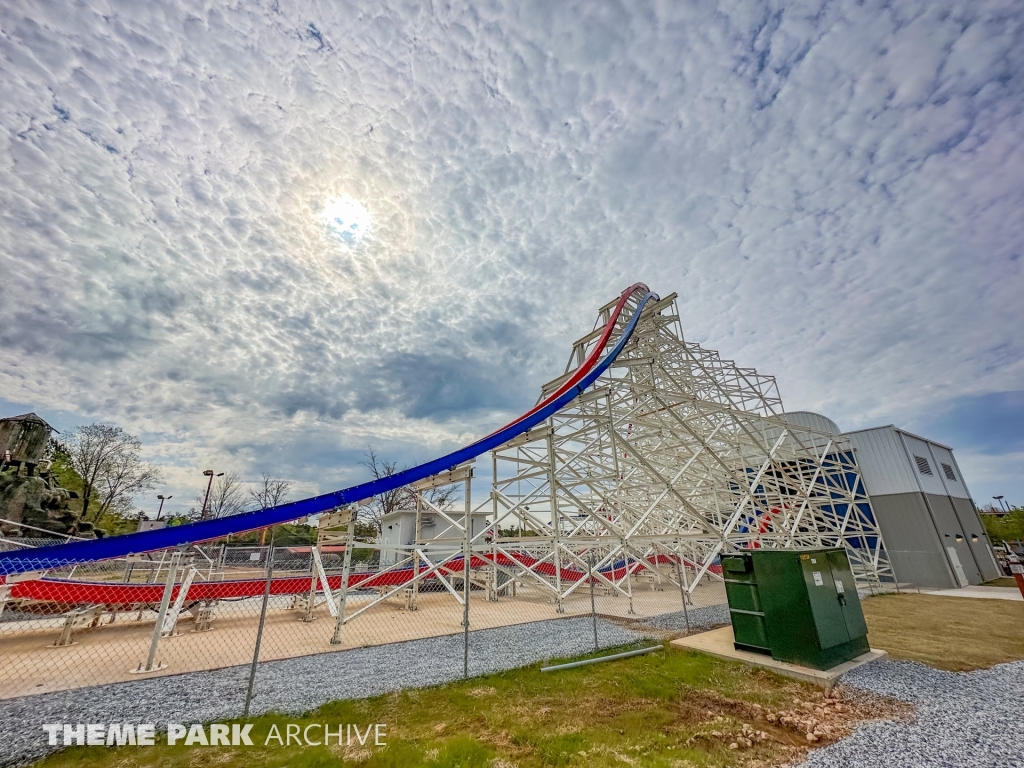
(811, 420)
(31, 417)
(903, 431)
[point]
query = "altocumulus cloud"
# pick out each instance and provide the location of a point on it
(833, 188)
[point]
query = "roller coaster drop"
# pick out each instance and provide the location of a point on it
(649, 451)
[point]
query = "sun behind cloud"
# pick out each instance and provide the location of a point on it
(347, 219)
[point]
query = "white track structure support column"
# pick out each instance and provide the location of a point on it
(556, 522)
(346, 518)
(674, 450)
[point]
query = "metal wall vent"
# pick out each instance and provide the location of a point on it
(948, 470)
(923, 466)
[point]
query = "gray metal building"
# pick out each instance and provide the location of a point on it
(931, 528)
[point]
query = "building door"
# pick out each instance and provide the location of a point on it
(958, 567)
(824, 598)
(846, 593)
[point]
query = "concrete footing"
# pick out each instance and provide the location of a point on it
(983, 592)
(719, 642)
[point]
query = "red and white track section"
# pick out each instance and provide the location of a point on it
(70, 593)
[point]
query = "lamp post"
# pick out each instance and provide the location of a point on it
(209, 474)
(1001, 503)
(162, 500)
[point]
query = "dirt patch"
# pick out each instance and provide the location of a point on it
(771, 735)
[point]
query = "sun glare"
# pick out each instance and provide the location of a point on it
(346, 219)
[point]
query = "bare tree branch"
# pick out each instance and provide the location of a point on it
(107, 459)
(385, 503)
(226, 497)
(400, 498)
(269, 492)
(125, 478)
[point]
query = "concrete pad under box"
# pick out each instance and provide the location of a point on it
(719, 642)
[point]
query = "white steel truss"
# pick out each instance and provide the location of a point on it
(670, 459)
(673, 455)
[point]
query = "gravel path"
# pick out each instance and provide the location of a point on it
(296, 685)
(964, 719)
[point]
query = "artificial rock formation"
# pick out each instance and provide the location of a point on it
(29, 493)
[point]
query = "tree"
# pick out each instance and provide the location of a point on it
(1008, 527)
(226, 498)
(126, 477)
(400, 498)
(107, 459)
(269, 493)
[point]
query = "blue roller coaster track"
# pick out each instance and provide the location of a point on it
(43, 558)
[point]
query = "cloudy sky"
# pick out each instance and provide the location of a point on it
(834, 189)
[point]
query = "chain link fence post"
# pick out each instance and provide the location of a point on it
(593, 608)
(263, 620)
(680, 568)
(466, 555)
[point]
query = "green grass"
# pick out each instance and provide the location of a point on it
(656, 710)
(1002, 581)
(958, 634)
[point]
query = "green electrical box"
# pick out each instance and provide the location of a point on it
(800, 606)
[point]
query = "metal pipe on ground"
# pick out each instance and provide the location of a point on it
(623, 655)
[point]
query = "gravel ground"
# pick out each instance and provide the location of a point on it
(964, 719)
(700, 618)
(296, 685)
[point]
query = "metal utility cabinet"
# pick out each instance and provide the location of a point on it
(800, 606)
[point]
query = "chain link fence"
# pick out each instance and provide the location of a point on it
(236, 609)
